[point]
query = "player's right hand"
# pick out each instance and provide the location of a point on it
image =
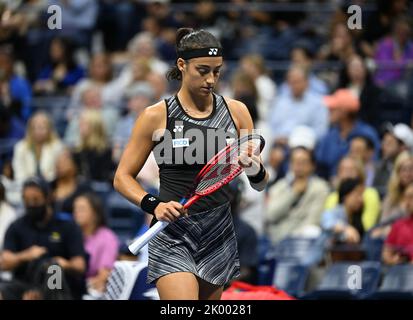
(170, 211)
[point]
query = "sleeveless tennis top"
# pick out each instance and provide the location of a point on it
(186, 145)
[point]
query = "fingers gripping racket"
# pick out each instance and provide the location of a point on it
(219, 171)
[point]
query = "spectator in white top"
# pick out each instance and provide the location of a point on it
(36, 154)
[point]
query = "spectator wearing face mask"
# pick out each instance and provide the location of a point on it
(41, 237)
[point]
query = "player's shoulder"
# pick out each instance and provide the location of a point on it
(239, 112)
(155, 113)
(235, 105)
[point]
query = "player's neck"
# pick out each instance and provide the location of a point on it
(201, 103)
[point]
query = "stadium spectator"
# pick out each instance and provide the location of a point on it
(62, 72)
(362, 148)
(398, 247)
(11, 130)
(244, 89)
(12, 186)
(401, 177)
(302, 55)
(393, 54)
(142, 49)
(93, 154)
(351, 168)
(139, 97)
(79, 20)
(100, 242)
(100, 75)
(254, 66)
(379, 22)
(396, 139)
(37, 239)
(358, 79)
(36, 154)
(344, 221)
(7, 215)
(344, 125)
(15, 91)
(68, 184)
(277, 163)
(295, 203)
(339, 48)
(91, 100)
(300, 107)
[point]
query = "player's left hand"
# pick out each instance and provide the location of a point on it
(250, 163)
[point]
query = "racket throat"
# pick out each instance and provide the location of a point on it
(191, 201)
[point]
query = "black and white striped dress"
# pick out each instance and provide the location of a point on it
(203, 243)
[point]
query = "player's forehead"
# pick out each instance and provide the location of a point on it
(209, 62)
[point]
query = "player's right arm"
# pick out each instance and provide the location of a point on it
(134, 157)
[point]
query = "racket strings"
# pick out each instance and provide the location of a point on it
(226, 167)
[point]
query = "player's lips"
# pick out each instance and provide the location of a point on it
(207, 89)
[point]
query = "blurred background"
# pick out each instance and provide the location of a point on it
(333, 102)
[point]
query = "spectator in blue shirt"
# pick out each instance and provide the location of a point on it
(298, 107)
(62, 72)
(15, 91)
(344, 126)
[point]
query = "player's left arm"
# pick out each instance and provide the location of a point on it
(252, 164)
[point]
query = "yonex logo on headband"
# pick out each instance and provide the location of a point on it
(201, 52)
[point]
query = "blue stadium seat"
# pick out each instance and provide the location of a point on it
(373, 247)
(141, 290)
(124, 218)
(102, 189)
(336, 284)
(304, 251)
(291, 278)
(397, 283)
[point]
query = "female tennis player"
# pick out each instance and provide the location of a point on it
(197, 254)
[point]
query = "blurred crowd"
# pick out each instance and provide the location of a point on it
(334, 105)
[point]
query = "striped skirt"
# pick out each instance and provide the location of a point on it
(203, 243)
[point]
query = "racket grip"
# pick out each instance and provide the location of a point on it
(139, 243)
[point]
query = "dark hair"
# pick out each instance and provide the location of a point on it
(2, 193)
(346, 186)
(188, 38)
(68, 52)
(97, 207)
(369, 142)
(39, 183)
(310, 153)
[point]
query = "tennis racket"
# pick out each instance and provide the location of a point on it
(219, 171)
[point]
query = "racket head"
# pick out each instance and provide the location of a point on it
(224, 166)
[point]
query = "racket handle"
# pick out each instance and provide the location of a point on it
(139, 243)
